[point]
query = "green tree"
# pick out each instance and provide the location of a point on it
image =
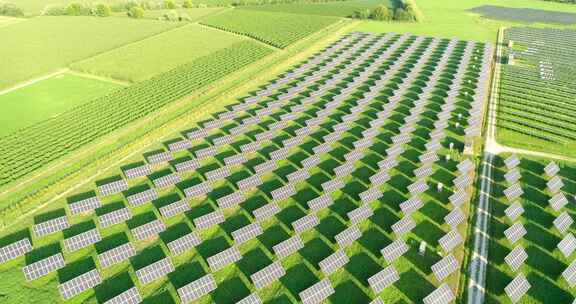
(169, 4)
(103, 10)
(10, 9)
(136, 12)
(74, 9)
(188, 4)
(401, 15)
(363, 14)
(381, 13)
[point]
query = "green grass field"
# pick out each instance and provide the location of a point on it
(277, 29)
(447, 18)
(158, 54)
(336, 8)
(195, 14)
(6, 21)
(48, 43)
(47, 98)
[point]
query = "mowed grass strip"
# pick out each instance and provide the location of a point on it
(194, 14)
(277, 29)
(47, 98)
(43, 44)
(337, 8)
(158, 54)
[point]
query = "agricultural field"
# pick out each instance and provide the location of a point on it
(343, 179)
(28, 149)
(335, 8)
(6, 21)
(46, 44)
(525, 15)
(47, 98)
(532, 231)
(139, 61)
(193, 15)
(536, 105)
(277, 29)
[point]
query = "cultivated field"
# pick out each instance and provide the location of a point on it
(277, 29)
(46, 44)
(307, 180)
(141, 60)
(46, 99)
(536, 106)
(336, 8)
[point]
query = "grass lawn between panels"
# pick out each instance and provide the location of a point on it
(446, 18)
(302, 268)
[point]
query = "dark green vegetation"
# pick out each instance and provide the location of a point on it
(31, 148)
(524, 15)
(302, 267)
(277, 29)
(545, 263)
(536, 107)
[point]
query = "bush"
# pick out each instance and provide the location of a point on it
(187, 4)
(54, 10)
(171, 16)
(103, 10)
(381, 13)
(169, 4)
(9, 9)
(74, 9)
(363, 14)
(136, 12)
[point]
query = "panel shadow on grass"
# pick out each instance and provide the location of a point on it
(253, 261)
(329, 227)
(373, 240)
(273, 236)
(315, 251)
(347, 292)
(297, 279)
(230, 291)
(361, 266)
(414, 286)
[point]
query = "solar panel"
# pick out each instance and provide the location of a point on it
(383, 279)
(424, 171)
(293, 141)
(179, 145)
(348, 236)
(298, 176)
(235, 160)
(174, 209)
(139, 171)
(395, 149)
(558, 201)
(450, 240)
(266, 135)
(517, 288)
(363, 143)
(387, 163)
(344, 169)
(454, 218)
(379, 178)
(445, 267)
(513, 176)
(514, 211)
(148, 230)
(377, 301)
(206, 152)
(241, 129)
(130, 296)
(305, 223)
(403, 226)
(287, 247)
(412, 205)
(82, 240)
(353, 156)
(570, 274)
(555, 184)
(334, 262)
(84, 205)
(249, 148)
(219, 173)
(323, 148)
(116, 255)
(15, 249)
(266, 211)
(513, 192)
(113, 187)
(317, 292)
(462, 181)
(224, 258)
(441, 295)
(207, 220)
(158, 158)
(198, 190)
(516, 258)
(551, 169)
(283, 193)
(371, 194)
(230, 200)
(184, 243)
(563, 222)
(250, 182)
(251, 299)
(215, 123)
(567, 245)
(332, 185)
(265, 167)
(511, 162)
(394, 250)
(320, 202)
(154, 271)
(246, 233)
(280, 154)
(279, 125)
(359, 214)
(515, 232)
(83, 282)
(166, 180)
(428, 157)
(332, 137)
(43, 267)
(197, 288)
(51, 226)
(268, 275)
(197, 134)
(417, 187)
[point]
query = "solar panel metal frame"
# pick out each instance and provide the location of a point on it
(383, 279)
(116, 255)
(268, 275)
(445, 267)
(394, 250)
(43, 267)
(333, 262)
(224, 258)
(288, 246)
(196, 289)
(517, 288)
(516, 257)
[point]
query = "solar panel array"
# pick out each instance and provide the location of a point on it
(154, 271)
(174, 209)
(82, 240)
(148, 230)
(83, 282)
(515, 232)
(130, 296)
(394, 250)
(383, 279)
(268, 275)
(43, 267)
(51, 226)
(116, 255)
(224, 258)
(184, 243)
(446, 266)
(84, 205)
(197, 289)
(441, 295)
(567, 245)
(14, 250)
(516, 258)
(334, 262)
(317, 292)
(287, 247)
(517, 288)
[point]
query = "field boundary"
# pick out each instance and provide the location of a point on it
(163, 129)
(33, 81)
(101, 78)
